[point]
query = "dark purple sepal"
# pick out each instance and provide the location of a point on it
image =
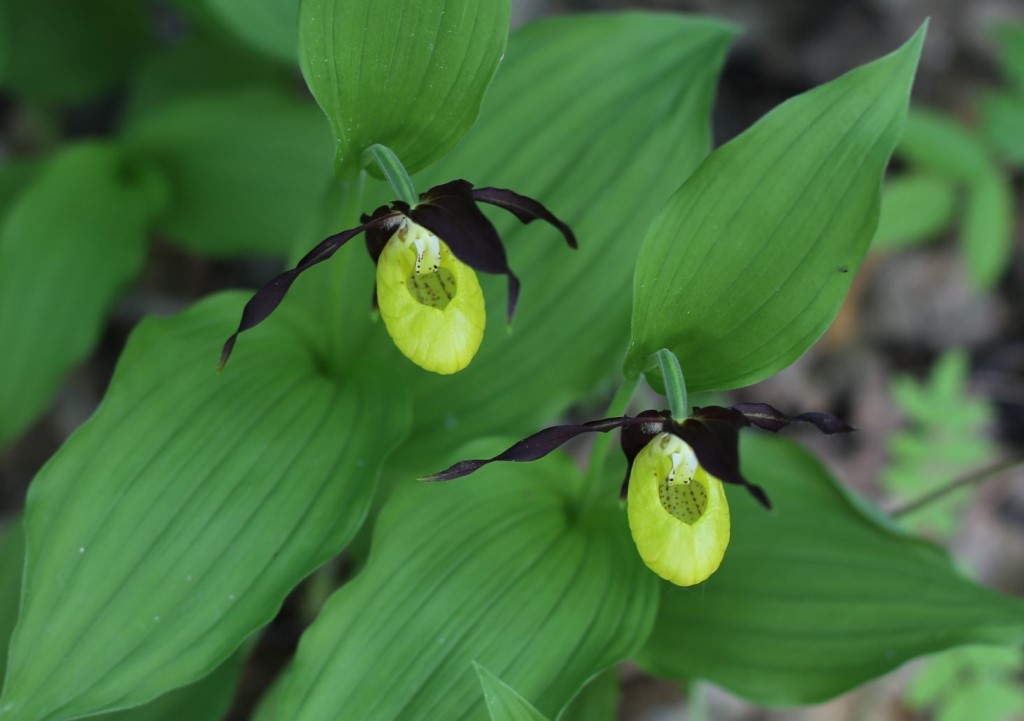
(713, 434)
(449, 212)
(377, 236)
(536, 446)
(526, 209)
(634, 438)
(267, 298)
(772, 419)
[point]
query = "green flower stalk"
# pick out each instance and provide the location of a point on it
(426, 256)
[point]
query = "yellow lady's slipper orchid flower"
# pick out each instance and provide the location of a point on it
(677, 511)
(431, 302)
(426, 255)
(676, 505)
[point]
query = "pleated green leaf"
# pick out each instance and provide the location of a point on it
(943, 146)
(987, 231)
(597, 701)
(1009, 37)
(65, 51)
(245, 169)
(268, 25)
(174, 522)
(748, 263)
(12, 565)
(915, 208)
(205, 700)
(497, 569)
(1003, 116)
(650, 78)
(410, 76)
(203, 63)
(208, 699)
(818, 595)
(503, 702)
(69, 245)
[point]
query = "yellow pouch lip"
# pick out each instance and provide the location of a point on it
(438, 340)
(682, 553)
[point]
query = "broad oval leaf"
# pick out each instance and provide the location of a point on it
(650, 77)
(208, 699)
(175, 521)
(747, 264)
(245, 169)
(1009, 36)
(498, 569)
(268, 25)
(1003, 117)
(817, 596)
(69, 245)
(410, 76)
(987, 231)
(597, 701)
(943, 146)
(58, 51)
(915, 208)
(12, 565)
(503, 702)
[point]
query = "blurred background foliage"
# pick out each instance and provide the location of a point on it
(927, 357)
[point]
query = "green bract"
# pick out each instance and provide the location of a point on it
(747, 264)
(407, 75)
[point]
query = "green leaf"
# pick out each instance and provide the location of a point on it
(410, 76)
(1003, 117)
(246, 169)
(503, 702)
(174, 522)
(15, 177)
(942, 146)
(208, 699)
(818, 595)
(650, 78)
(597, 701)
(1010, 39)
(748, 263)
(947, 675)
(12, 565)
(68, 50)
(948, 434)
(201, 64)
(998, 701)
(268, 25)
(498, 570)
(205, 700)
(915, 209)
(69, 245)
(987, 231)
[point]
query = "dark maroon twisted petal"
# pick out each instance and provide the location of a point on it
(267, 298)
(536, 446)
(772, 419)
(526, 209)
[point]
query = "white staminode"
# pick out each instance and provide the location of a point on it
(684, 460)
(427, 245)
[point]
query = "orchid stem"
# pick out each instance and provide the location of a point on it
(344, 203)
(675, 385)
(594, 490)
(936, 494)
(394, 172)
